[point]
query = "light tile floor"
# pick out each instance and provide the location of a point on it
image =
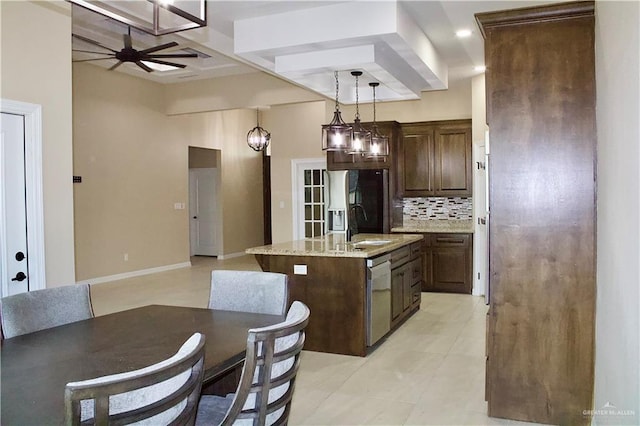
(430, 371)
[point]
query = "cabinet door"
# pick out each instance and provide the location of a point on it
(451, 263)
(397, 278)
(452, 168)
(416, 163)
(427, 281)
(407, 282)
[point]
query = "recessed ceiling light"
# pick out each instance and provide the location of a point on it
(463, 33)
(480, 68)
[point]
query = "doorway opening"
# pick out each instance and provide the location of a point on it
(205, 207)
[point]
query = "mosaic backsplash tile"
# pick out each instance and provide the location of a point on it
(437, 208)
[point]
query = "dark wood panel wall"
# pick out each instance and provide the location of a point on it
(541, 116)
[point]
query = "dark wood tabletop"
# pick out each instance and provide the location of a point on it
(37, 366)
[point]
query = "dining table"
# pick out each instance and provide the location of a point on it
(35, 367)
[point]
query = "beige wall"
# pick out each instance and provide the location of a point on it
(239, 91)
(133, 159)
(133, 170)
(451, 104)
(617, 369)
(295, 134)
(241, 172)
(36, 68)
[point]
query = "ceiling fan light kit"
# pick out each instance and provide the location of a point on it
(337, 135)
(155, 17)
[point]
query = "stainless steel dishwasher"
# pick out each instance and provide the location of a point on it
(378, 298)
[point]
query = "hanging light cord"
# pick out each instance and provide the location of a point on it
(357, 109)
(257, 117)
(335, 73)
(374, 104)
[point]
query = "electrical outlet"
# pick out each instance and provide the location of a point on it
(126, 257)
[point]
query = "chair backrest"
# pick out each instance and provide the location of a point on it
(40, 309)
(268, 377)
(249, 291)
(165, 393)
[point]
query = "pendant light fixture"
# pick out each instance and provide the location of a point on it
(337, 135)
(361, 142)
(379, 143)
(258, 138)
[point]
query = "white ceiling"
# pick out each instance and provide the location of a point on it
(408, 46)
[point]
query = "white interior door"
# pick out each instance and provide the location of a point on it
(14, 266)
(202, 211)
(480, 252)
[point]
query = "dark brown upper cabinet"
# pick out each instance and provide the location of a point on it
(337, 160)
(434, 159)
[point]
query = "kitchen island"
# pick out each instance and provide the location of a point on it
(331, 276)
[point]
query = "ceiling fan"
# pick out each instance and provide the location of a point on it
(138, 57)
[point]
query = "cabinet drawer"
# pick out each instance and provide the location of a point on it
(416, 248)
(400, 256)
(450, 240)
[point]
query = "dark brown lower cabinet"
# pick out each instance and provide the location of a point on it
(406, 282)
(447, 263)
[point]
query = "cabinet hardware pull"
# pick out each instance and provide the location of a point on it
(450, 240)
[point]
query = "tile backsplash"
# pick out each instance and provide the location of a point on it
(437, 208)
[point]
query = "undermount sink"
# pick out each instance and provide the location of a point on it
(371, 242)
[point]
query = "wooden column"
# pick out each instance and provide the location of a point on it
(541, 114)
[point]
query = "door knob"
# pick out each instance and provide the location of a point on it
(195, 217)
(20, 276)
(20, 256)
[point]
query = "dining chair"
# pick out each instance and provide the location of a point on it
(40, 309)
(165, 393)
(249, 291)
(264, 394)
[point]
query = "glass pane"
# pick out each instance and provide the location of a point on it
(307, 195)
(316, 177)
(317, 228)
(307, 177)
(316, 195)
(317, 215)
(308, 230)
(307, 212)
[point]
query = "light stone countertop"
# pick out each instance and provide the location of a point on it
(436, 226)
(335, 245)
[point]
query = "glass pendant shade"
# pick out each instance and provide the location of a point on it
(258, 138)
(379, 144)
(337, 135)
(361, 141)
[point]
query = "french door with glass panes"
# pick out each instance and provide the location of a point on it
(309, 200)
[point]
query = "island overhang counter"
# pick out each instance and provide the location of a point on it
(329, 274)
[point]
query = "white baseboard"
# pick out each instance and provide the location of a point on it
(132, 274)
(231, 255)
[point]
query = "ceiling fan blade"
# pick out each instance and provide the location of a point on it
(143, 66)
(97, 53)
(88, 40)
(171, 64)
(115, 66)
(127, 41)
(174, 55)
(160, 47)
(95, 59)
